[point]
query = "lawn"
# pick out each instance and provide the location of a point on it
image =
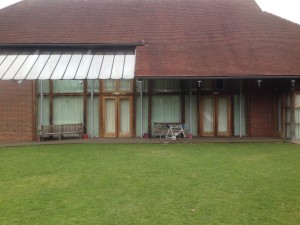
(128, 184)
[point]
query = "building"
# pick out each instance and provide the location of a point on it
(225, 68)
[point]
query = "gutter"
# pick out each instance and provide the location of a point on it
(71, 45)
(183, 77)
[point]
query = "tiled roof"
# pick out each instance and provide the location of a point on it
(181, 37)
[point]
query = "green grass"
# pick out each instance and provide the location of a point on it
(150, 184)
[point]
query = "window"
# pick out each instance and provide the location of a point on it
(112, 86)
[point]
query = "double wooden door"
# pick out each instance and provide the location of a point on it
(215, 115)
(117, 116)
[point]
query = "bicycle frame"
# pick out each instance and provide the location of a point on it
(173, 132)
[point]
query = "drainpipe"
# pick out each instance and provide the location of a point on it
(241, 108)
(190, 106)
(41, 106)
(141, 98)
(293, 127)
(92, 106)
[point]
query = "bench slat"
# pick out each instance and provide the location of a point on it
(60, 130)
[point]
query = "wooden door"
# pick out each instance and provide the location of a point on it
(215, 115)
(117, 116)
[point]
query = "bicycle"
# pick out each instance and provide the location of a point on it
(174, 131)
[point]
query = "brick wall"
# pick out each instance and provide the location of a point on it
(260, 111)
(16, 111)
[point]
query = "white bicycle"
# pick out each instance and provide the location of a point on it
(173, 131)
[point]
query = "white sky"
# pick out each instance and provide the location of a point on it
(5, 3)
(288, 9)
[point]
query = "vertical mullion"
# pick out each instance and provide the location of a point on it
(85, 106)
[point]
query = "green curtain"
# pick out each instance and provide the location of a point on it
(45, 86)
(138, 115)
(166, 109)
(194, 116)
(67, 86)
(297, 116)
(236, 115)
(46, 111)
(166, 85)
(67, 109)
(96, 116)
(288, 117)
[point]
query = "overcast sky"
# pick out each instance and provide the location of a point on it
(288, 9)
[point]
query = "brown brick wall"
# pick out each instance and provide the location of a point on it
(260, 111)
(16, 111)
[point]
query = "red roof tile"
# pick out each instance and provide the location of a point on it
(182, 37)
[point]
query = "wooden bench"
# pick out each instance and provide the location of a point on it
(60, 130)
(160, 127)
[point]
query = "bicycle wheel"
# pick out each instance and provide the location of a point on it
(165, 137)
(185, 136)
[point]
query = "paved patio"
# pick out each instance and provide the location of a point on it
(137, 140)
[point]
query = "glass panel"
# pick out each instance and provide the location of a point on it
(166, 109)
(288, 117)
(117, 70)
(95, 67)
(208, 115)
(138, 115)
(50, 66)
(297, 100)
(96, 86)
(297, 131)
(96, 117)
(26, 67)
(124, 116)
(279, 114)
(129, 67)
(297, 123)
(166, 85)
(14, 68)
(84, 67)
(288, 100)
(67, 109)
(45, 86)
(194, 117)
(288, 131)
(61, 67)
(125, 85)
(194, 84)
(106, 68)
(2, 58)
(145, 86)
(38, 67)
(237, 115)
(297, 116)
(67, 86)
(6, 64)
(109, 85)
(45, 111)
(207, 84)
(73, 66)
(222, 115)
(110, 116)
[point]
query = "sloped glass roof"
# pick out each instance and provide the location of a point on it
(66, 64)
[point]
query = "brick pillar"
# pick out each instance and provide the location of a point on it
(16, 111)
